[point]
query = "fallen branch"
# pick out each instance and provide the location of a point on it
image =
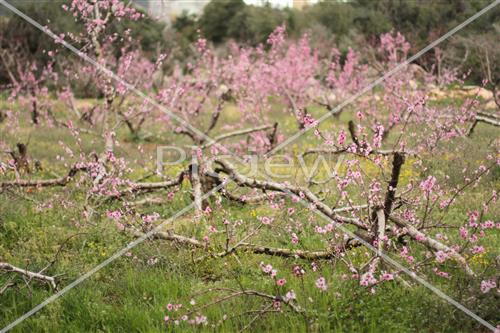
(148, 187)
(61, 181)
(245, 247)
(32, 275)
(485, 118)
(145, 186)
(490, 119)
(250, 200)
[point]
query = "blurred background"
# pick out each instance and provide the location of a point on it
(173, 25)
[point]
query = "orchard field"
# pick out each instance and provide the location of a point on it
(261, 188)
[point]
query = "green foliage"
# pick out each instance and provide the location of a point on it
(218, 16)
(337, 17)
(254, 24)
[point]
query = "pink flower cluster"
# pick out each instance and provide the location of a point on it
(487, 285)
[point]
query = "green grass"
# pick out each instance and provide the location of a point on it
(130, 295)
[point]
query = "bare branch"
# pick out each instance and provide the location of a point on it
(432, 243)
(61, 181)
(237, 133)
(32, 275)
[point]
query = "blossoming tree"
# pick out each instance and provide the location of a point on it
(382, 196)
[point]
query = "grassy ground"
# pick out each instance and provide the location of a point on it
(130, 295)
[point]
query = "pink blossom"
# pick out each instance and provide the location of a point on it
(151, 218)
(441, 273)
(341, 138)
(367, 279)
(298, 271)
(387, 277)
(290, 296)
(266, 268)
(477, 249)
(266, 220)
(420, 238)
(488, 224)
(280, 282)
(441, 256)
(463, 233)
(487, 285)
(200, 320)
(428, 184)
(321, 284)
(115, 215)
(473, 218)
